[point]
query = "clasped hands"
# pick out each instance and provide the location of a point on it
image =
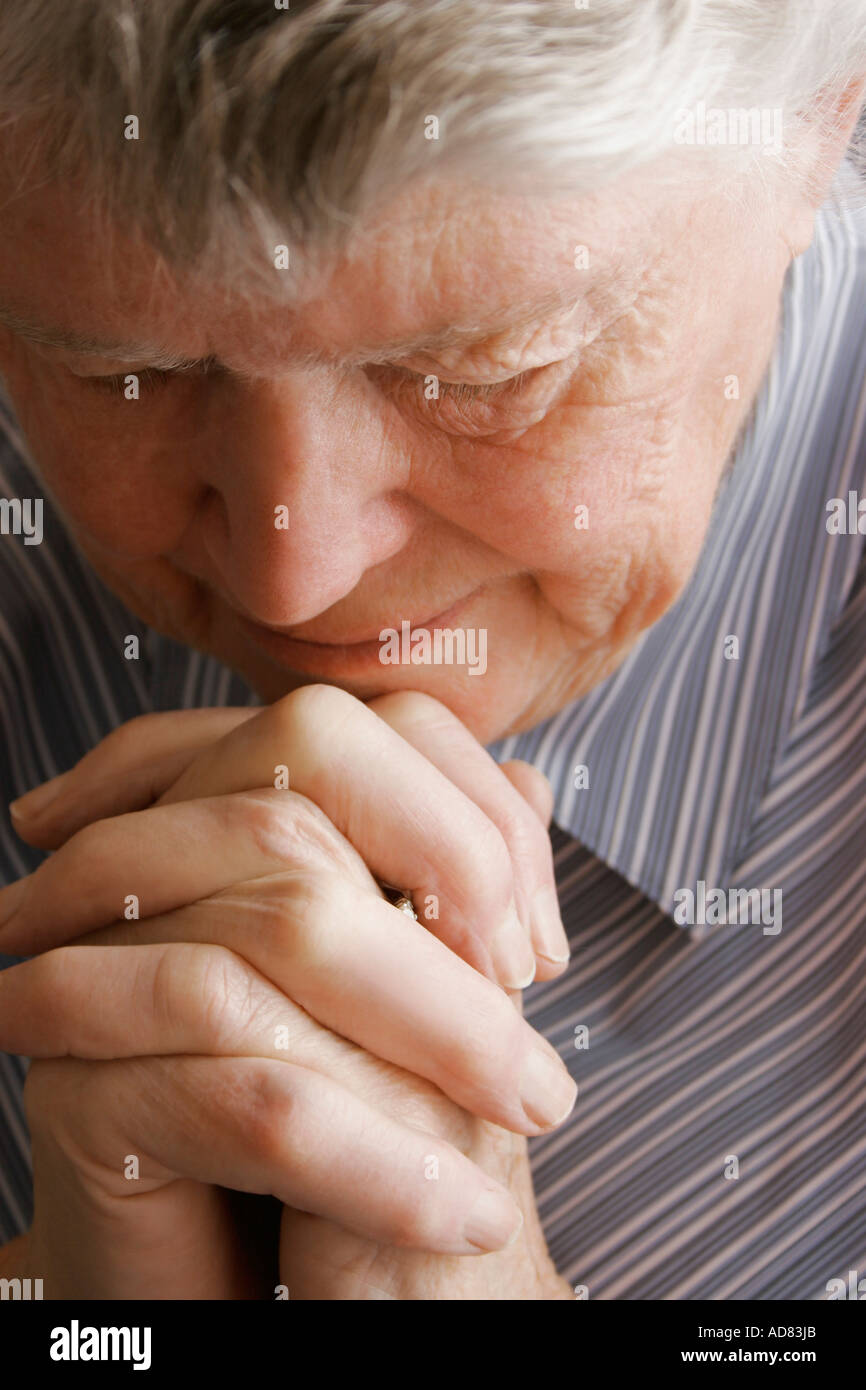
(241, 1009)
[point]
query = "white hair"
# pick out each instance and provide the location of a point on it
(259, 125)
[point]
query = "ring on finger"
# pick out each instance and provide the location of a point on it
(399, 899)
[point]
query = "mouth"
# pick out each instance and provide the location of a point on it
(304, 653)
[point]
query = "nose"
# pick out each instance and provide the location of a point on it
(305, 492)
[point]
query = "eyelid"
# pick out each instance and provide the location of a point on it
(516, 404)
(469, 387)
(453, 392)
(149, 378)
(421, 367)
(182, 367)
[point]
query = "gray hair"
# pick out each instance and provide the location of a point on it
(260, 125)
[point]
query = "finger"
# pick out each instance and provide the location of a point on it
(262, 1126)
(369, 973)
(150, 862)
(533, 786)
(437, 733)
(409, 823)
(402, 994)
(103, 1003)
(548, 933)
(126, 771)
(107, 1002)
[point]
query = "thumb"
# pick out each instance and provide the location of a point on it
(133, 765)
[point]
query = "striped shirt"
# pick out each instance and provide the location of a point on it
(708, 839)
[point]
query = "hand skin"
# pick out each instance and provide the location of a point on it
(321, 1261)
(179, 1204)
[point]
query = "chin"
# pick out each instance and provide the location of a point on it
(490, 706)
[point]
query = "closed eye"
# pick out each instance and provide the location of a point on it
(433, 387)
(149, 378)
(459, 392)
(458, 408)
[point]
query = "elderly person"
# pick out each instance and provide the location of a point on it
(401, 403)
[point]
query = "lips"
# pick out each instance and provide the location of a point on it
(355, 660)
(365, 637)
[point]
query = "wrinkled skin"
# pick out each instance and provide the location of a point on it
(400, 506)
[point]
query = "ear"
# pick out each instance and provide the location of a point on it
(829, 126)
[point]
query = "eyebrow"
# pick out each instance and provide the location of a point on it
(512, 317)
(83, 345)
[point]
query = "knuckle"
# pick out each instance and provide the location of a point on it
(413, 1220)
(274, 1112)
(281, 826)
(208, 980)
(524, 834)
(316, 705)
(129, 736)
(302, 913)
(162, 985)
(229, 995)
(266, 819)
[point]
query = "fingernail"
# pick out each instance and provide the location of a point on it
(11, 899)
(33, 803)
(491, 1222)
(548, 933)
(512, 954)
(547, 1092)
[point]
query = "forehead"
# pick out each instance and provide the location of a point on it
(439, 257)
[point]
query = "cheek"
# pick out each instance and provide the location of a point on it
(594, 488)
(118, 478)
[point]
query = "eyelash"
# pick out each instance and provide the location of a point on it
(459, 392)
(149, 378)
